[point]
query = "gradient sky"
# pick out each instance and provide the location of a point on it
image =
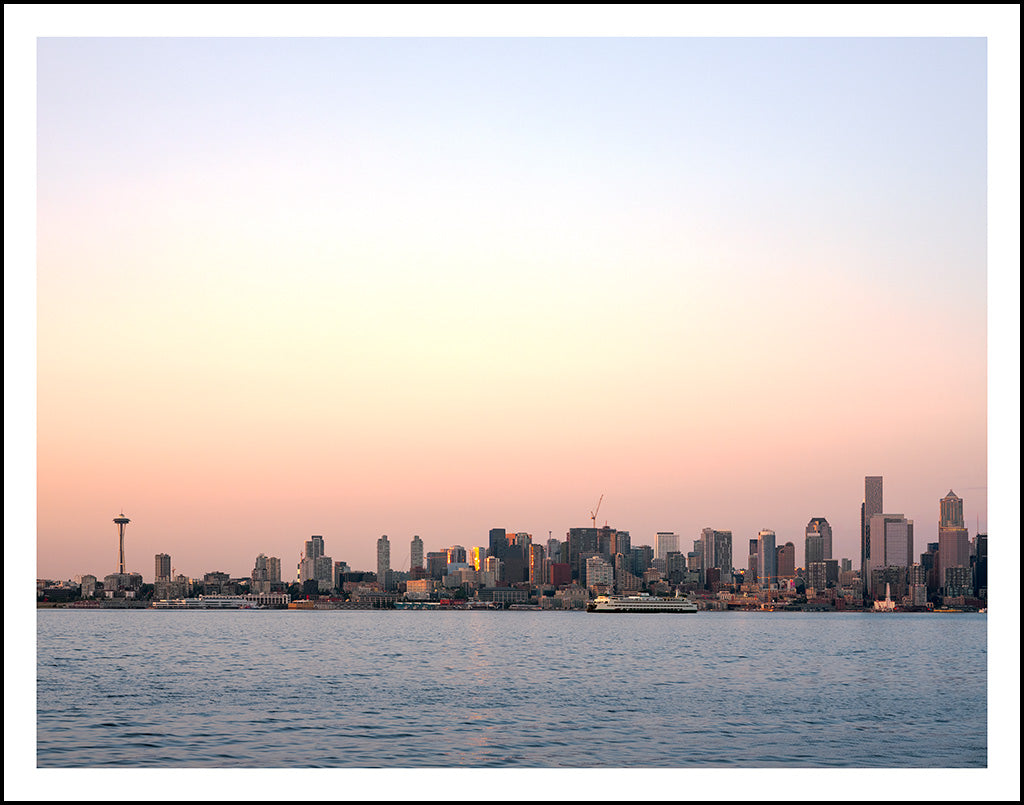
(355, 287)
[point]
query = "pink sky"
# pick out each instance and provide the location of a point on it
(357, 287)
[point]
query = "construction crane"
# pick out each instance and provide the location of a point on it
(593, 514)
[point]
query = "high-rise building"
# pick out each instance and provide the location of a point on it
(415, 553)
(535, 555)
(979, 566)
(437, 564)
(477, 557)
(820, 526)
(717, 550)
(315, 564)
(496, 541)
(785, 562)
(814, 548)
(163, 567)
(599, 572)
(954, 548)
(871, 506)
(767, 569)
(384, 562)
(665, 541)
(891, 539)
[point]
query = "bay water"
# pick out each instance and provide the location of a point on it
(414, 689)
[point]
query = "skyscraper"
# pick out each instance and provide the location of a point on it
(665, 541)
(891, 541)
(871, 506)
(954, 549)
(767, 569)
(717, 549)
(415, 553)
(785, 563)
(163, 567)
(819, 525)
(383, 562)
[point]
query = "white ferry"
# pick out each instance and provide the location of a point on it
(641, 602)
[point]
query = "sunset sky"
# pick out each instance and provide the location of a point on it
(354, 287)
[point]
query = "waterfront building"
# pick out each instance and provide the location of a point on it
(665, 541)
(415, 553)
(384, 562)
(122, 585)
(871, 506)
(891, 541)
(88, 588)
(420, 589)
(259, 579)
(954, 549)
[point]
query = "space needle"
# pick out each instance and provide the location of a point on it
(121, 521)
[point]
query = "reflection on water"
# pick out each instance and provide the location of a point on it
(528, 689)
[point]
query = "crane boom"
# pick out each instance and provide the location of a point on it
(593, 514)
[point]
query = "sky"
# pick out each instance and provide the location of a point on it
(354, 287)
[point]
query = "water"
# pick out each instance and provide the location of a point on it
(284, 689)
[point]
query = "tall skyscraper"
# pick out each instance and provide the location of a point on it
(314, 547)
(871, 506)
(383, 561)
(665, 541)
(767, 569)
(785, 563)
(316, 565)
(415, 553)
(121, 521)
(717, 550)
(819, 525)
(496, 541)
(891, 540)
(954, 548)
(163, 567)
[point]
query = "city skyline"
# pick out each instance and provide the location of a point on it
(402, 285)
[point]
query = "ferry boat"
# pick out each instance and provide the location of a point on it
(641, 602)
